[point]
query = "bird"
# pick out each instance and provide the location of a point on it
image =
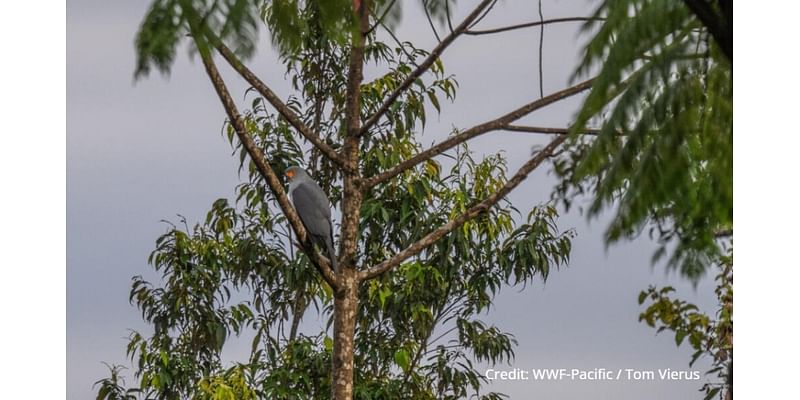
(314, 209)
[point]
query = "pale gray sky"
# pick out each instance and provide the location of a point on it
(140, 153)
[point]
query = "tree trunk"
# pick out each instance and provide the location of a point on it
(345, 302)
(345, 306)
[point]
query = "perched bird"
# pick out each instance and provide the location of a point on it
(314, 209)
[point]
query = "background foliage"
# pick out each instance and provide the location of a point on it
(664, 153)
(710, 336)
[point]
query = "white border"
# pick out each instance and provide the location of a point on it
(33, 159)
(766, 181)
(32, 204)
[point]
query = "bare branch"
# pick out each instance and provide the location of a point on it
(485, 13)
(529, 24)
(258, 157)
(541, 47)
(447, 14)
(548, 131)
(276, 102)
(430, 21)
(424, 66)
(379, 20)
(496, 124)
(473, 212)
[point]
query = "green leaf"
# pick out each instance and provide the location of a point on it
(402, 359)
(679, 336)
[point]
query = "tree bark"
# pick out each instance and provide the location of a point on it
(345, 308)
(345, 302)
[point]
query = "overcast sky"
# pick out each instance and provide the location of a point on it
(139, 153)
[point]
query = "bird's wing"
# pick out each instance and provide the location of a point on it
(313, 208)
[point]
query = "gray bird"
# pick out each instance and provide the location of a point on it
(314, 209)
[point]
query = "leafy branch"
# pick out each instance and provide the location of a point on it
(259, 159)
(473, 212)
(276, 102)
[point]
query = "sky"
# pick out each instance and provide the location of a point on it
(146, 151)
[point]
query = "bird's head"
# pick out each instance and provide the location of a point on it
(293, 173)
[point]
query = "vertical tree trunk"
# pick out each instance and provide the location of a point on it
(345, 302)
(345, 306)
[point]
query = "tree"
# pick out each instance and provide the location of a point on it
(708, 336)
(664, 154)
(417, 242)
(422, 248)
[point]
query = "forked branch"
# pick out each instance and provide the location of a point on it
(493, 125)
(276, 102)
(259, 159)
(424, 66)
(473, 212)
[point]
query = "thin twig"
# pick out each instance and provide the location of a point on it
(548, 131)
(399, 43)
(430, 21)
(379, 21)
(530, 24)
(447, 12)
(541, 46)
(488, 10)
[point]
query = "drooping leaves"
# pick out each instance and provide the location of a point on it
(236, 23)
(168, 22)
(664, 153)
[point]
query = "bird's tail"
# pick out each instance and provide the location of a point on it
(332, 253)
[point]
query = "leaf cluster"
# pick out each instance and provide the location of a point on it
(664, 154)
(237, 22)
(712, 337)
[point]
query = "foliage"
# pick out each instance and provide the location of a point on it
(236, 274)
(707, 336)
(664, 155)
(236, 22)
(167, 23)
